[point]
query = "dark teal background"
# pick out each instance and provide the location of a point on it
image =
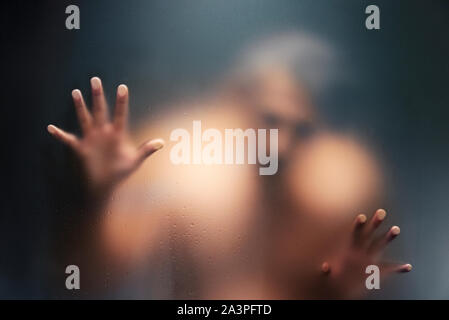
(164, 49)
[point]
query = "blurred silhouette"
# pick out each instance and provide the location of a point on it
(224, 231)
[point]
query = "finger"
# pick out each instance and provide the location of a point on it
(326, 268)
(396, 268)
(84, 117)
(99, 108)
(375, 222)
(121, 107)
(148, 148)
(380, 244)
(359, 223)
(388, 268)
(404, 268)
(65, 137)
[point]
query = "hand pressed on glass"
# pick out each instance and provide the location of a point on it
(105, 149)
(345, 272)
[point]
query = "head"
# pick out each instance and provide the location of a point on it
(277, 78)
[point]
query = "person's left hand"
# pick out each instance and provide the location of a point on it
(343, 276)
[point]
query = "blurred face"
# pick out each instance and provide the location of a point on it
(282, 104)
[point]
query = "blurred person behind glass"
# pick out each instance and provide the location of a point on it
(223, 230)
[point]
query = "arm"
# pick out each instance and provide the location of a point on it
(107, 157)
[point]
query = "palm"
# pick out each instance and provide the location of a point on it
(107, 156)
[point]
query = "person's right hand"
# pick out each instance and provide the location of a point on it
(106, 152)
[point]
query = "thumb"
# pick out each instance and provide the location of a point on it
(148, 148)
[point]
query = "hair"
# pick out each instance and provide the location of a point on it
(310, 60)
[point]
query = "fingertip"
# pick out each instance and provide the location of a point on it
(95, 83)
(395, 230)
(404, 268)
(122, 90)
(157, 144)
(76, 94)
(361, 218)
(149, 148)
(51, 128)
(381, 214)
